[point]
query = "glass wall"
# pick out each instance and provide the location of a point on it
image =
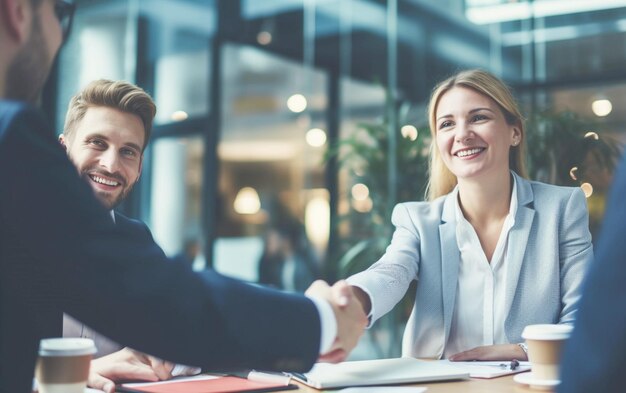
(175, 63)
(271, 165)
(96, 49)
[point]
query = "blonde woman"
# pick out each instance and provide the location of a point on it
(491, 251)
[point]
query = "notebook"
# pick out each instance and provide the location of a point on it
(205, 384)
(379, 372)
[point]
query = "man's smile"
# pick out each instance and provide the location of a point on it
(104, 181)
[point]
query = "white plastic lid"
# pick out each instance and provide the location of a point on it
(66, 347)
(547, 332)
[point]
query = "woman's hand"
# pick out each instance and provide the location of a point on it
(491, 352)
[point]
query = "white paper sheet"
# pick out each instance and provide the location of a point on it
(383, 389)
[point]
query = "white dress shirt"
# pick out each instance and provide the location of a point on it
(479, 311)
(328, 323)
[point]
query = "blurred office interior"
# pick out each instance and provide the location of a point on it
(254, 95)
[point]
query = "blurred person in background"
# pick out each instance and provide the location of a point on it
(288, 261)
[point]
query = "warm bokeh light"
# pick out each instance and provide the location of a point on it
(360, 192)
(316, 137)
(409, 132)
(179, 116)
(317, 221)
(592, 135)
(601, 107)
(296, 103)
(264, 38)
(572, 173)
(363, 206)
(247, 201)
(587, 189)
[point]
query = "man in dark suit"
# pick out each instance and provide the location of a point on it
(595, 355)
(60, 251)
(107, 129)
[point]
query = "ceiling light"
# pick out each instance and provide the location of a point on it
(179, 116)
(512, 11)
(601, 107)
(316, 137)
(247, 201)
(296, 103)
(317, 220)
(264, 38)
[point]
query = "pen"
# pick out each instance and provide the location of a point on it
(513, 365)
(300, 376)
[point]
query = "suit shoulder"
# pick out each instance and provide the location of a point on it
(11, 111)
(419, 211)
(21, 117)
(551, 191)
(131, 223)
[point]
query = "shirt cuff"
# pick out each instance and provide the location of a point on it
(328, 323)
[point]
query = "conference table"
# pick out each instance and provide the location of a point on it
(503, 384)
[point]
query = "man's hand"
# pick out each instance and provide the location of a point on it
(125, 365)
(351, 320)
(491, 352)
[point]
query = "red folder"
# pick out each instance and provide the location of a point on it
(214, 385)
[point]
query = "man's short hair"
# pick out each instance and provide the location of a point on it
(120, 95)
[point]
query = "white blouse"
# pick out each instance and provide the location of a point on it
(479, 311)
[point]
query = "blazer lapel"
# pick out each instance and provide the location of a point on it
(450, 259)
(518, 238)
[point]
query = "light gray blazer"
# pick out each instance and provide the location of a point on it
(549, 249)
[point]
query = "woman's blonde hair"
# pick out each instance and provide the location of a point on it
(441, 180)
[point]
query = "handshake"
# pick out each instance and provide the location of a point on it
(349, 313)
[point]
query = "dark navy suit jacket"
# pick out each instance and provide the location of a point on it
(73, 327)
(594, 359)
(61, 252)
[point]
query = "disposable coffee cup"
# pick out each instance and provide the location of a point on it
(63, 364)
(545, 343)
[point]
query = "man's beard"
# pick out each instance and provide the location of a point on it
(112, 204)
(104, 197)
(29, 70)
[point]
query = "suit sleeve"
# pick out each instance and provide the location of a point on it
(595, 355)
(576, 253)
(75, 255)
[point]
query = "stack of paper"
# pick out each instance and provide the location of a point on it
(379, 372)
